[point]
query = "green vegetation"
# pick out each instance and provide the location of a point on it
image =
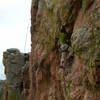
(14, 94)
(63, 38)
(68, 90)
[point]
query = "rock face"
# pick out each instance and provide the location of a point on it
(65, 53)
(2, 85)
(14, 62)
(79, 78)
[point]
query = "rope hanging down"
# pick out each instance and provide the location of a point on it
(26, 37)
(28, 27)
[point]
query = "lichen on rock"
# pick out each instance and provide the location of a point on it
(13, 61)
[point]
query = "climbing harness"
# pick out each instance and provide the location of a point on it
(63, 47)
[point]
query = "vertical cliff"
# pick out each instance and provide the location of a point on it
(64, 63)
(65, 55)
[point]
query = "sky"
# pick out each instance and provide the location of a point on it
(14, 27)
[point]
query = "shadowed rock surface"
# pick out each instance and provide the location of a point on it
(2, 85)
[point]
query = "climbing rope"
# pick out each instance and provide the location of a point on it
(27, 31)
(26, 37)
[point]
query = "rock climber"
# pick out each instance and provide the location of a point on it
(64, 45)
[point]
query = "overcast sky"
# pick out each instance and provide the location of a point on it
(14, 25)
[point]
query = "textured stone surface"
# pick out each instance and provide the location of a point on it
(80, 21)
(25, 78)
(2, 85)
(14, 61)
(86, 42)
